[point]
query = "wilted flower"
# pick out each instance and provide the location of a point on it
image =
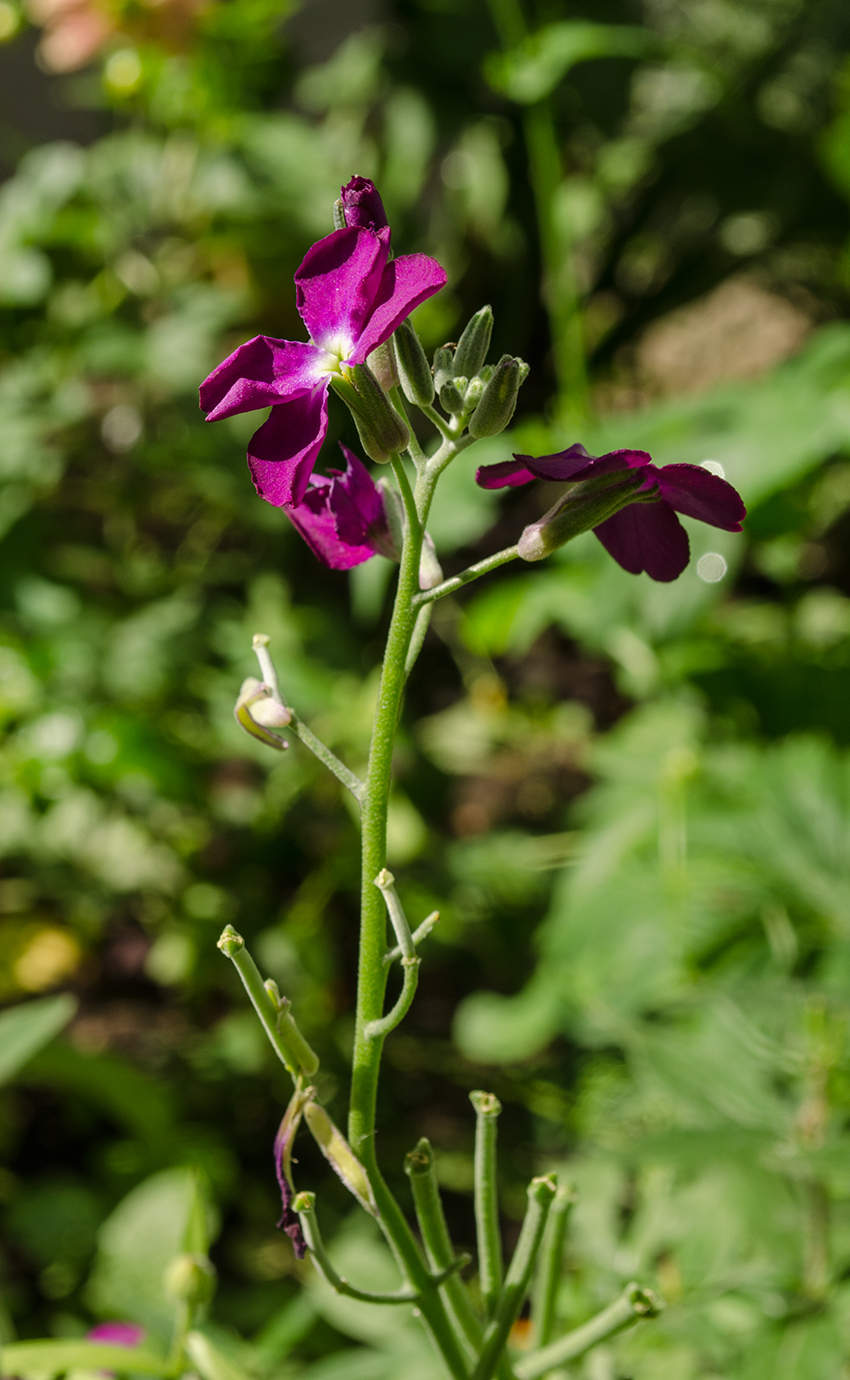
(351, 297)
(283, 1143)
(645, 534)
(342, 517)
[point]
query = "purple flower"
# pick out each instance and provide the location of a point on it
(118, 1333)
(351, 297)
(362, 206)
(342, 517)
(646, 534)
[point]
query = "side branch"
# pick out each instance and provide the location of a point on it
(427, 596)
(633, 1304)
(308, 738)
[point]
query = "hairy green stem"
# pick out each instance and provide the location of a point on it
(487, 1109)
(633, 1304)
(549, 1268)
(473, 572)
(540, 1194)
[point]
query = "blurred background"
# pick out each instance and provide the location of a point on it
(629, 802)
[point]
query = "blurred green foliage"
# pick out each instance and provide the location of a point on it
(654, 979)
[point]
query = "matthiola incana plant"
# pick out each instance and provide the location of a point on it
(355, 300)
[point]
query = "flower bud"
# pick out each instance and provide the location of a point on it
(383, 365)
(498, 400)
(259, 713)
(414, 375)
(340, 1155)
(586, 505)
(475, 391)
(190, 1279)
(453, 396)
(443, 366)
(382, 431)
(394, 513)
(474, 343)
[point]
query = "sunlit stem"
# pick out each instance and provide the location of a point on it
(549, 1268)
(421, 932)
(473, 572)
(307, 736)
(540, 1194)
(487, 1109)
(633, 1304)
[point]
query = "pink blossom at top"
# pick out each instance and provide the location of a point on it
(645, 535)
(351, 297)
(118, 1333)
(362, 205)
(342, 517)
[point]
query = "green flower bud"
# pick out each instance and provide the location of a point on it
(383, 365)
(443, 366)
(340, 1155)
(474, 392)
(498, 400)
(474, 343)
(382, 431)
(415, 377)
(259, 713)
(230, 941)
(190, 1279)
(586, 505)
(453, 396)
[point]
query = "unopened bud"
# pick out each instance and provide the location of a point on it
(585, 506)
(474, 343)
(475, 391)
(453, 396)
(498, 400)
(190, 1279)
(394, 513)
(259, 713)
(430, 570)
(382, 431)
(383, 365)
(340, 1155)
(443, 366)
(414, 375)
(230, 941)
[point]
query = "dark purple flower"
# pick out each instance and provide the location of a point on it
(351, 297)
(362, 205)
(283, 1143)
(646, 534)
(342, 517)
(118, 1333)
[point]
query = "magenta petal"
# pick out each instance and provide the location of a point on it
(336, 287)
(356, 501)
(118, 1333)
(281, 455)
(404, 284)
(646, 536)
(700, 494)
(317, 524)
(506, 474)
(566, 464)
(362, 205)
(260, 372)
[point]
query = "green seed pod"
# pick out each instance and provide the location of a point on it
(474, 343)
(382, 431)
(415, 377)
(498, 401)
(583, 507)
(340, 1155)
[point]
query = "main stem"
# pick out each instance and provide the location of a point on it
(372, 969)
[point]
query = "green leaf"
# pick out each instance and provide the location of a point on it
(25, 1029)
(211, 1363)
(40, 1359)
(535, 68)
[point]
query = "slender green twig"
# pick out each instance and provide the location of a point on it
(549, 1268)
(385, 882)
(473, 572)
(307, 736)
(487, 1109)
(444, 427)
(285, 1037)
(421, 932)
(305, 1205)
(633, 1304)
(541, 1191)
(385, 1024)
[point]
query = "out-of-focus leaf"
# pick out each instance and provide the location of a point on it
(38, 1359)
(24, 1030)
(535, 68)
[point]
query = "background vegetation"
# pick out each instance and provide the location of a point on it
(631, 803)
